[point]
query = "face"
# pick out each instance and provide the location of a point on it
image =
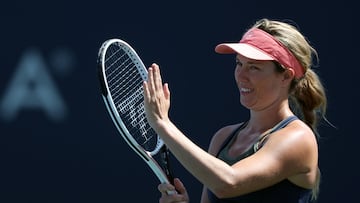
(259, 84)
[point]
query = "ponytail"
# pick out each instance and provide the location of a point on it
(310, 99)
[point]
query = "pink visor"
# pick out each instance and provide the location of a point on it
(259, 45)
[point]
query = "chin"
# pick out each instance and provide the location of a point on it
(245, 104)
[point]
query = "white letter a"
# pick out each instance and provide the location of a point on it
(32, 88)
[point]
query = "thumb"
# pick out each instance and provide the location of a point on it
(166, 91)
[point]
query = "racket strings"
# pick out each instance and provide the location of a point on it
(115, 73)
(125, 85)
(124, 75)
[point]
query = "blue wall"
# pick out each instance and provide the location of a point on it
(59, 144)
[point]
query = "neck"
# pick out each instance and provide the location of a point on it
(265, 119)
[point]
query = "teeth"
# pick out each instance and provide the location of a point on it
(245, 90)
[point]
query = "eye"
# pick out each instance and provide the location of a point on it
(238, 63)
(252, 67)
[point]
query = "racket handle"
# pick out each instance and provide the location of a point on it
(165, 154)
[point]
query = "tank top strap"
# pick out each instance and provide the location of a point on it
(277, 127)
(229, 138)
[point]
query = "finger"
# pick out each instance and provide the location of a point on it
(164, 188)
(173, 199)
(151, 83)
(157, 77)
(147, 85)
(166, 91)
(179, 186)
(146, 91)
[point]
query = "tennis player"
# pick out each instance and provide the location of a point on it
(271, 156)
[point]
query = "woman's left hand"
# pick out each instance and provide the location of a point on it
(173, 193)
(156, 97)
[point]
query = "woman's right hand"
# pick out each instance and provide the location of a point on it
(173, 193)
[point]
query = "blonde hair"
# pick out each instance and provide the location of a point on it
(307, 94)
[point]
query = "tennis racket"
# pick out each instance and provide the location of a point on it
(121, 74)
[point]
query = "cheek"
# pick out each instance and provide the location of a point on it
(270, 90)
(236, 76)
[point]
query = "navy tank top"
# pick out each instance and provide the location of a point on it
(284, 191)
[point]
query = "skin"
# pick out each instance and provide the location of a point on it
(289, 153)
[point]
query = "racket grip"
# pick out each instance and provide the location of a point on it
(165, 157)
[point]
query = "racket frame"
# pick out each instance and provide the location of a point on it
(109, 103)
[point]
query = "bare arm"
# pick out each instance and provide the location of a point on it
(279, 159)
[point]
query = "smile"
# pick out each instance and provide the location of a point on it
(245, 90)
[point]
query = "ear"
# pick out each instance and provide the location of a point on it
(288, 76)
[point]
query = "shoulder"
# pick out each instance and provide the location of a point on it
(295, 145)
(220, 136)
(295, 133)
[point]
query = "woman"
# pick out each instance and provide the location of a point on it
(273, 155)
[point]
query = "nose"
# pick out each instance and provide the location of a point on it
(239, 73)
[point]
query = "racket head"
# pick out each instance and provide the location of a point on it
(123, 73)
(118, 65)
